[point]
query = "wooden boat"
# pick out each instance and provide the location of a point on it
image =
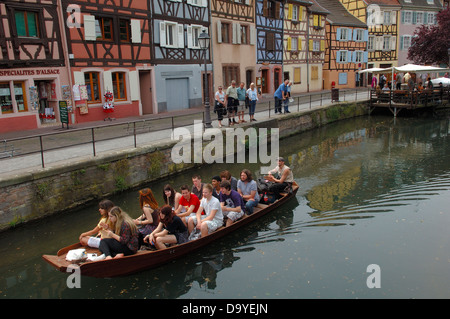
(146, 259)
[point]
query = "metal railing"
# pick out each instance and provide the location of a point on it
(54, 141)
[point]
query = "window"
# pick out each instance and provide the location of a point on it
(244, 34)
(316, 21)
(91, 79)
(371, 43)
(294, 13)
(7, 100)
(271, 9)
(171, 35)
(230, 73)
(294, 44)
(119, 88)
(386, 42)
(270, 41)
(419, 17)
(387, 17)
(343, 34)
(316, 45)
(359, 56)
(405, 42)
(27, 24)
(342, 56)
(407, 17)
(103, 28)
(431, 18)
(196, 31)
(226, 32)
(297, 75)
(124, 30)
(359, 35)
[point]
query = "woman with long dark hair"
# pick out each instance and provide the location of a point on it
(170, 230)
(171, 197)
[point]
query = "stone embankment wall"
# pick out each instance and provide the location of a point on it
(46, 192)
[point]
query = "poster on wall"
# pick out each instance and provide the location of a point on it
(82, 105)
(83, 92)
(34, 98)
(76, 92)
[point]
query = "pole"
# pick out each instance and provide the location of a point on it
(207, 106)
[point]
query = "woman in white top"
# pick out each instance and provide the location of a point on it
(252, 94)
(220, 106)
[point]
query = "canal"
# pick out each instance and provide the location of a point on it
(374, 192)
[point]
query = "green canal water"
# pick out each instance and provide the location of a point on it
(374, 191)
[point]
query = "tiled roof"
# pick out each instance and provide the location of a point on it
(422, 4)
(339, 14)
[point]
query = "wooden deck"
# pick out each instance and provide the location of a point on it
(397, 100)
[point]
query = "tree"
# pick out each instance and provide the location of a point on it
(430, 44)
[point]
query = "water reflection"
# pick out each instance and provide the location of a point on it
(367, 173)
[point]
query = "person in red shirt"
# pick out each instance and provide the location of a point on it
(188, 205)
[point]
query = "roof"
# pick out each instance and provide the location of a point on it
(393, 3)
(305, 3)
(339, 14)
(318, 9)
(420, 4)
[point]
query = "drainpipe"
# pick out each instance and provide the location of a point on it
(308, 11)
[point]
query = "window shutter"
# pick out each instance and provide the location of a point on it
(299, 43)
(162, 34)
(252, 35)
(403, 17)
(107, 81)
(393, 43)
(277, 10)
(238, 33)
(300, 13)
(219, 32)
(180, 29)
(134, 85)
(366, 35)
(355, 34)
(135, 31)
(311, 45)
(338, 56)
(289, 44)
(414, 17)
(393, 17)
(349, 56)
(190, 39)
(78, 78)
(401, 42)
(290, 6)
(322, 45)
(89, 28)
(265, 8)
(366, 56)
(233, 33)
(315, 20)
(338, 34)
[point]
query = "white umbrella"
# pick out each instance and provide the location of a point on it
(418, 68)
(444, 81)
(373, 70)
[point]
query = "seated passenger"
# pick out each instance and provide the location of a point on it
(197, 187)
(215, 182)
(282, 179)
(189, 204)
(170, 230)
(149, 219)
(213, 217)
(171, 197)
(88, 238)
(248, 189)
(124, 240)
(231, 203)
(226, 176)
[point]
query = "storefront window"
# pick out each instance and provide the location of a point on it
(91, 79)
(19, 93)
(120, 92)
(5, 98)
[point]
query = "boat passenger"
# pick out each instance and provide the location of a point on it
(189, 204)
(171, 230)
(248, 189)
(213, 218)
(282, 177)
(171, 197)
(226, 176)
(88, 238)
(124, 240)
(149, 219)
(197, 187)
(231, 203)
(215, 182)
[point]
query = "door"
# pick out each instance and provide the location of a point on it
(264, 80)
(180, 100)
(145, 84)
(276, 79)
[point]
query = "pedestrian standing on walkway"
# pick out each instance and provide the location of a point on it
(220, 106)
(288, 96)
(280, 95)
(252, 94)
(241, 93)
(232, 102)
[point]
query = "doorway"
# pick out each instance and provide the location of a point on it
(145, 86)
(264, 80)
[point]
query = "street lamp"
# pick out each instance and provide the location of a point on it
(203, 41)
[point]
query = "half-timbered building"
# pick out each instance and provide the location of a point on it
(32, 64)
(108, 45)
(381, 17)
(295, 33)
(177, 59)
(345, 48)
(269, 38)
(234, 41)
(316, 46)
